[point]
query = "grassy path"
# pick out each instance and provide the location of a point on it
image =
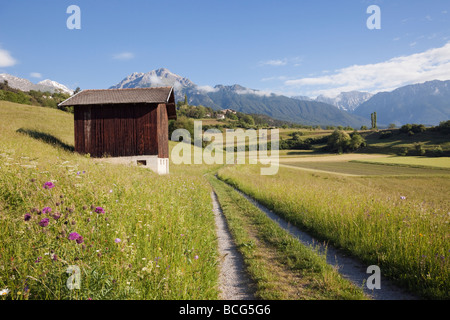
(349, 267)
(234, 283)
(281, 267)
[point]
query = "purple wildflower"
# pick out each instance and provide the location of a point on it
(27, 217)
(403, 197)
(117, 240)
(56, 216)
(99, 210)
(44, 222)
(46, 210)
(74, 236)
(196, 257)
(48, 185)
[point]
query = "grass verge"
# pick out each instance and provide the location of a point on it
(280, 265)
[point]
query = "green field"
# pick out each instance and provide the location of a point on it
(400, 223)
(167, 247)
(441, 162)
(156, 238)
(132, 234)
(398, 142)
(368, 169)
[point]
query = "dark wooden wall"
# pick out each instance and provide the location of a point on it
(122, 130)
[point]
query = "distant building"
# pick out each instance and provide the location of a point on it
(221, 116)
(128, 124)
(225, 111)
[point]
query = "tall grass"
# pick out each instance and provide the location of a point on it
(144, 236)
(407, 237)
(280, 266)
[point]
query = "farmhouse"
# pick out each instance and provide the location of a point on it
(129, 125)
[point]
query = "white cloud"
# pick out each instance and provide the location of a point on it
(280, 78)
(6, 60)
(36, 75)
(123, 56)
(207, 89)
(433, 64)
(294, 61)
(256, 92)
(275, 63)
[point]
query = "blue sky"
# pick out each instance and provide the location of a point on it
(287, 47)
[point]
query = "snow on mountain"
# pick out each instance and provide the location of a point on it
(56, 85)
(27, 85)
(426, 103)
(242, 99)
(347, 101)
(157, 78)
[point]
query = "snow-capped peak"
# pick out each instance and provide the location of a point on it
(56, 85)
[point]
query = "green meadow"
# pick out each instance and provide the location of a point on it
(398, 222)
(128, 233)
(132, 234)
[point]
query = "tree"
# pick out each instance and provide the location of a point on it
(296, 135)
(77, 90)
(185, 100)
(357, 142)
(339, 141)
(373, 117)
(375, 120)
(419, 148)
(363, 127)
(182, 123)
(406, 128)
(444, 127)
(392, 126)
(248, 119)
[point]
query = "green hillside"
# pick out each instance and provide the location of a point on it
(155, 239)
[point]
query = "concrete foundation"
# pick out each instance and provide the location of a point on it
(158, 165)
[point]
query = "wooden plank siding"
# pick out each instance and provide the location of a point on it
(121, 130)
(163, 132)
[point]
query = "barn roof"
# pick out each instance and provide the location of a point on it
(119, 96)
(124, 96)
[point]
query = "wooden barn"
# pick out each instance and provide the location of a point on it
(130, 125)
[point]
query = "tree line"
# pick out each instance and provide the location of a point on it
(33, 97)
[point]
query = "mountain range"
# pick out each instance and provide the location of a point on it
(347, 101)
(27, 85)
(244, 100)
(425, 103)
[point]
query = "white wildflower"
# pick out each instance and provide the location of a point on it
(4, 292)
